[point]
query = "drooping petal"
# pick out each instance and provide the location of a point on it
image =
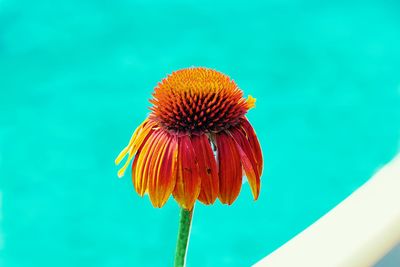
(248, 159)
(163, 170)
(208, 170)
(123, 153)
(136, 141)
(140, 166)
(230, 168)
(188, 181)
(255, 145)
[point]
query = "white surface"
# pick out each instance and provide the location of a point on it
(356, 233)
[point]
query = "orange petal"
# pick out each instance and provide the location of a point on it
(248, 159)
(163, 169)
(255, 145)
(208, 170)
(230, 168)
(140, 166)
(188, 181)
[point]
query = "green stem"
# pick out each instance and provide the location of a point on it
(183, 237)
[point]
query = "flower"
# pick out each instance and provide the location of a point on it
(196, 142)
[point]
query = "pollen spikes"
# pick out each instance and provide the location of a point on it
(197, 101)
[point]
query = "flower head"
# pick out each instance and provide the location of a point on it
(196, 143)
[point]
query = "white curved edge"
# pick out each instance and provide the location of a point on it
(356, 233)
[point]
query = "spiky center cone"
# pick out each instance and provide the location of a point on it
(198, 100)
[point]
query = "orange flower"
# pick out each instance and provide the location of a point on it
(196, 143)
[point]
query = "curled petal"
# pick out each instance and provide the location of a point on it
(230, 168)
(248, 159)
(208, 170)
(188, 181)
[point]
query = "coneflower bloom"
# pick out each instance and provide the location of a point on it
(196, 142)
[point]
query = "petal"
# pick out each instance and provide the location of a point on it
(123, 153)
(230, 168)
(136, 141)
(255, 145)
(248, 159)
(140, 166)
(188, 181)
(208, 170)
(163, 170)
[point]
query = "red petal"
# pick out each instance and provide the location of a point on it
(230, 168)
(188, 181)
(208, 170)
(255, 145)
(248, 159)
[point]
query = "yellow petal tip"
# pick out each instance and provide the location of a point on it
(121, 173)
(251, 102)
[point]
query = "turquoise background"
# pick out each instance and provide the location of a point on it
(75, 79)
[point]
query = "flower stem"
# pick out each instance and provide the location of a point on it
(183, 237)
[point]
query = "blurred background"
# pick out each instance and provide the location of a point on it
(75, 79)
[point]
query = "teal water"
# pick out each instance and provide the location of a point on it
(75, 77)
